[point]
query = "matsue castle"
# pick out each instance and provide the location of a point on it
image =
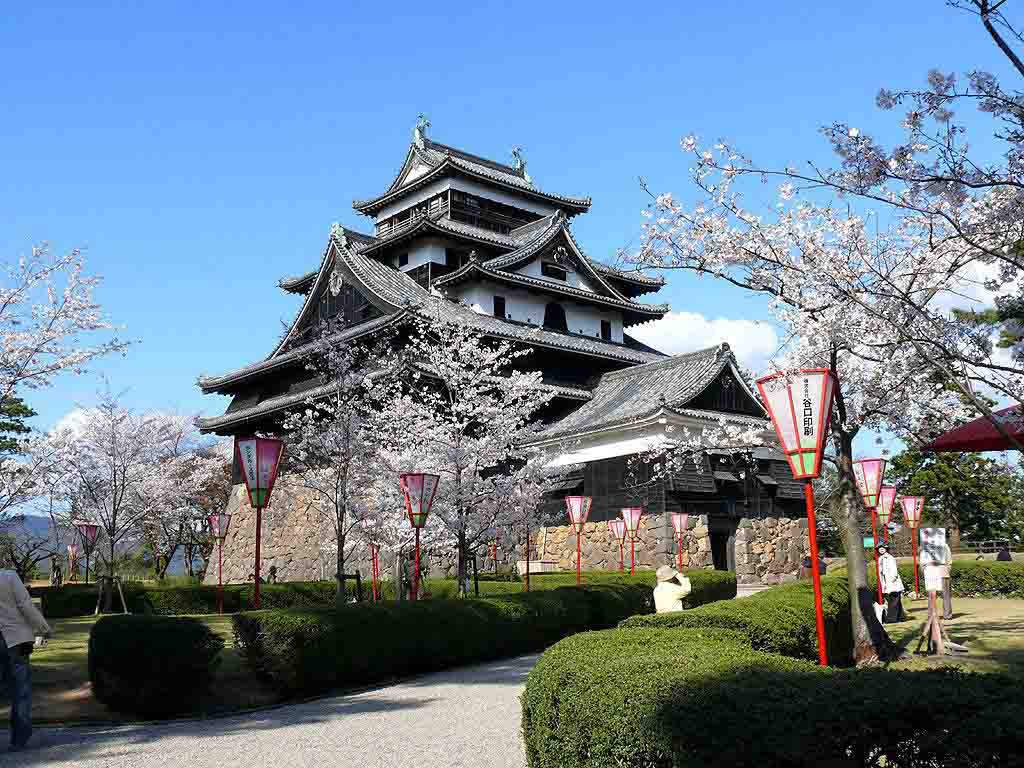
(479, 242)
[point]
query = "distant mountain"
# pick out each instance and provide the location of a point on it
(37, 526)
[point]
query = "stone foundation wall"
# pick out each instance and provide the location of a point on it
(769, 550)
(297, 540)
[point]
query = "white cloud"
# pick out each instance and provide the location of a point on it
(73, 421)
(752, 342)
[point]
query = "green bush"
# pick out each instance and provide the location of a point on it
(970, 578)
(152, 665)
(781, 620)
(700, 697)
(80, 600)
(314, 650)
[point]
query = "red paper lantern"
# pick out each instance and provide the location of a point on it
(800, 406)
(886, 502)
(259, 458)
(631, 516)
(219, 525)
(578, 508)
(868, 474)
(419, 489)
(913, 506)
(89, 532)
(617, 528)
(679, 520)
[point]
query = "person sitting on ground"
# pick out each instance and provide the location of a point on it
(672, 588)
(1003, 555)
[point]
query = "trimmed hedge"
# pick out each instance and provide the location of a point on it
(80, 600)
(309, 651)
(971, 578)
(700, 697)
(780, 620)
(152, 665)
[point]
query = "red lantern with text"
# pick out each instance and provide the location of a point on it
(578, 508)
(800, 406)
(913, 506)
(88, 532)
(886, 503)
(617, 528)
(632, 516)
(259, 458)
(868, 474)
(218, 530)
(679, 521)
(419, 489)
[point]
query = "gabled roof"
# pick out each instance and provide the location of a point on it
(642, 391)
(443, 160)
(400, 297)
(311, 390)
(303, 283)
(474, 270)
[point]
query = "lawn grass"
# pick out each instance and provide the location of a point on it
(60, 677)
(992, 630)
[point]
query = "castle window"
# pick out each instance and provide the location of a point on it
(499, 307)
(606, 330)
(553, 271)
(403, 259)
(554, 318)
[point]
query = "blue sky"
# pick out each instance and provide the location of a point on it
(200, 151)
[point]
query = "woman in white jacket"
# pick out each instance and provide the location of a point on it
(892, 586)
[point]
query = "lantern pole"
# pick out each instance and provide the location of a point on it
(220, 575)
(416, 573)
(874, 552)
(810, 394)
(812, 537)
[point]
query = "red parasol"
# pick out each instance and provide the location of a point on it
(981, 434)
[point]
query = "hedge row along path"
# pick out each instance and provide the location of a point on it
(462, 717)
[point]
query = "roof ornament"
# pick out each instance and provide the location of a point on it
(419, 133)
(520, 164)
(338, 235)
(723, 349)
(473, 256)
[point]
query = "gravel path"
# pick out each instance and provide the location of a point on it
(462, 717)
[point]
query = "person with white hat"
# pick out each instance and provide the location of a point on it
(672, 588)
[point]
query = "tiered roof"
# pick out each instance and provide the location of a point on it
(280, 381)
(430, 161)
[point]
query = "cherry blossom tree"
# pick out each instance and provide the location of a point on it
(837, 290)
(332, 446)
(467, 409)
(47, 310)
(136, 475)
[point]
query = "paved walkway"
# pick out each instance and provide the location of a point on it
(461, 718)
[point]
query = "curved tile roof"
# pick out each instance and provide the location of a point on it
(441, 158)
(639, 392)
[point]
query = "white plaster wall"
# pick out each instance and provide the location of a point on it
(572, 277)
(469, 187)
(527, 307)
(428, 249)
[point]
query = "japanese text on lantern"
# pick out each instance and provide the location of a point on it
(808, 410)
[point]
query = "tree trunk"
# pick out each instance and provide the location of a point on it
(462, 572)
(340, 596)
(871, 643)
(108, 594)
